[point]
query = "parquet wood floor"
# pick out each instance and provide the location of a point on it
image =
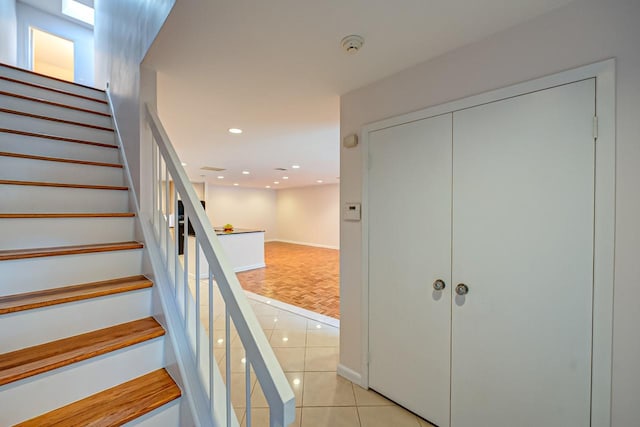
(304, 276)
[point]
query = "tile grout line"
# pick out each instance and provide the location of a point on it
(353, 390)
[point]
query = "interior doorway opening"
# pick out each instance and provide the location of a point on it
(52, 55)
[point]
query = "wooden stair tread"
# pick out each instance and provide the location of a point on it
(57, 138)
(60, 160)
(55, 104)
(48, 297)
(54, 119)
(35, 360)
(64, 92)
(13, 254)
(115, 406)
(63, 185)
(50, 77)
(68, 215)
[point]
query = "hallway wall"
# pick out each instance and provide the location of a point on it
(310, 215)
(124, 31)
(580, 33)
(8, 32)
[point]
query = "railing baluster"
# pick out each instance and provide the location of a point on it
(158, 207)
(159, 199)
(166, 213)
(154, 162)
(212, 358)
(227, 333)
(197, 250)
(247, 386)
(185, 241)
(176, 241)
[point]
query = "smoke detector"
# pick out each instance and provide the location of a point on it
(352, 44)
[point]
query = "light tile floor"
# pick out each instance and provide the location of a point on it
(308, 353)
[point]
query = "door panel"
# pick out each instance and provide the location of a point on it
(523, 202)
(409, 248)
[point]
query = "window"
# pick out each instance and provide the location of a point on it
(78, 10)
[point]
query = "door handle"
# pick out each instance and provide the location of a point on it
(462, 289)
(439, 285)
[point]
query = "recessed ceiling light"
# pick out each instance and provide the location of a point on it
(184, 164)
(295, 166)
(296, 381)
(220, 177)
(319, 181)
(235, 130)
(267, 186)
(245, 172)
(285, 177)
(236, 184)
(276, 182)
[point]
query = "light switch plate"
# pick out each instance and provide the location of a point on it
(352, 211)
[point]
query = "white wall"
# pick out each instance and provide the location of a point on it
(580, 33)
(243, 208)
(81, 36)
(8, 32)
(310, 215)
(124, 31)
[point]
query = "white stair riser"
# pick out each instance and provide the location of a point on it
(165, 416)
(30, 124)
(38, 326)
(41, 109)
(52, 83)
(51, 148)
(28, 398)
(34, 92)
(35, 274)
(23, 233)
(19, 169)
(35, 199)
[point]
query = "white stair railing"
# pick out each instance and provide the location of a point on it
(204, 258)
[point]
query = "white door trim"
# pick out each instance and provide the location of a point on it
(604, 228)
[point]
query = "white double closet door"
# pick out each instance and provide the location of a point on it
(500, 198)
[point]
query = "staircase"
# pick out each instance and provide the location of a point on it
(79, 344)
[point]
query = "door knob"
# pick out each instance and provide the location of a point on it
(439, 285)
(462, 289)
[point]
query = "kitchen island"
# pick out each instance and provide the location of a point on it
(244, 249)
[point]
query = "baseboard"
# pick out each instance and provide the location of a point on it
(249, 267)
(317, 245)
(349, 374)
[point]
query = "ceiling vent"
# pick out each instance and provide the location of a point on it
(212, 169)
(352, 44)
(280, 169)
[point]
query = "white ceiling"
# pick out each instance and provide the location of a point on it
(276, 70)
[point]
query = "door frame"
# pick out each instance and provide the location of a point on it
(604, 214)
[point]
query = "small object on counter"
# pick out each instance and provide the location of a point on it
(228, 227)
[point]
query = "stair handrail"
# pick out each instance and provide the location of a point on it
(258, 353)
